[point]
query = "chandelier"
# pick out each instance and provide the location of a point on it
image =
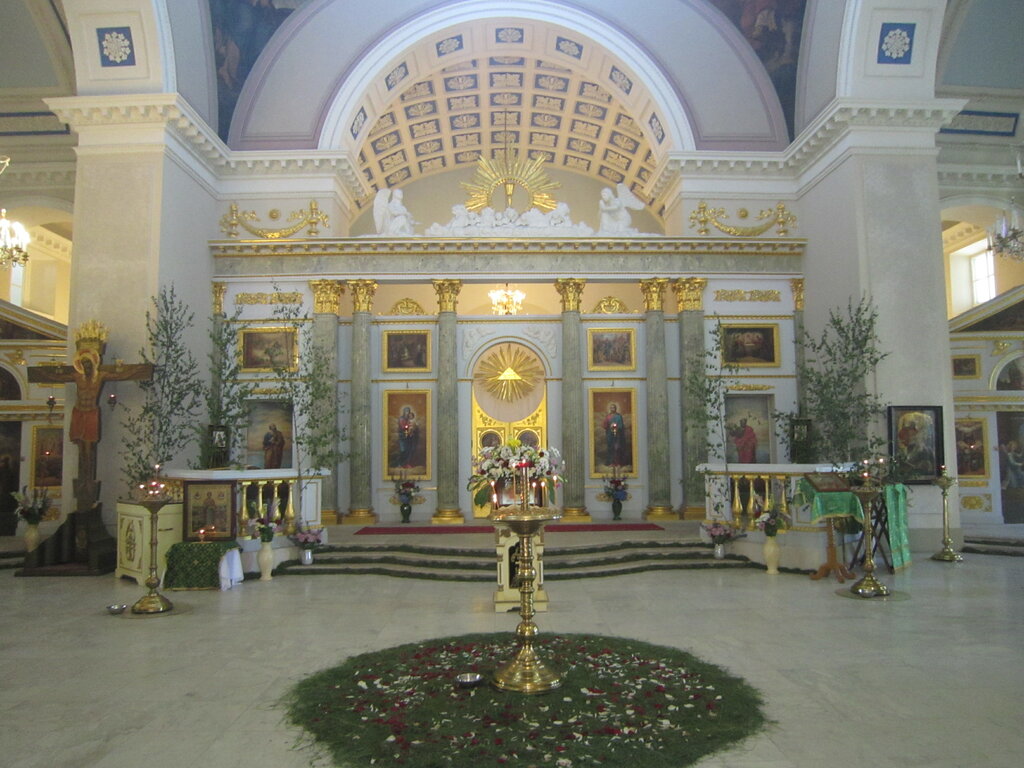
(506, 302)
(14, 238)
(1006, 238)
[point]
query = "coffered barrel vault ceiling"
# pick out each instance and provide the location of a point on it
(476, 89)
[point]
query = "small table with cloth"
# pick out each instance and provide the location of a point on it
(203, 565)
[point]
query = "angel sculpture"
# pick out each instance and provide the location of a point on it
(390, 215)
(615, 216)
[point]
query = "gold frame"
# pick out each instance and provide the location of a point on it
(247, 336)
(34, 466)
(985, 464)
(776, 360)
(598, 400)
(390, 408)
(386, 352)
(594, 333)
(977, 367)
(225, 495)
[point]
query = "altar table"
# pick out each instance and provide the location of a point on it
(203, 565)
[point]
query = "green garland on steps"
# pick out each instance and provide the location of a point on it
(622, 703)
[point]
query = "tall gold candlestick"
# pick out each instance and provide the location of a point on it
(947, 553)
(526, 673)
(868, 586)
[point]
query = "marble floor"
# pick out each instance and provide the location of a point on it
(935, 679)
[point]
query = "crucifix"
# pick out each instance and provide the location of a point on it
(88, 374)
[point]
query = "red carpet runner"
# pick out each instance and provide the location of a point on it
(391, 530)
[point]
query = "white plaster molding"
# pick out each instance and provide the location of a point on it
(811, 145)
(170, 111)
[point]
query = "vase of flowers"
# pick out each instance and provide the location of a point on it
(306, 539)
(265, 529)
(405, 494)
(770, 523)
(615, 489)
(515, 462)
(33, 510)
(720, 534)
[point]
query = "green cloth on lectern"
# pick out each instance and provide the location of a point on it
(831, 504)
(899, 541)
(196, 564)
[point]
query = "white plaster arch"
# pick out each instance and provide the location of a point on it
(1000, 366)
(712, 90)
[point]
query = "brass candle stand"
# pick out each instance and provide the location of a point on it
(868, 586)
(155, 499)
(946, 554)
(526, 673)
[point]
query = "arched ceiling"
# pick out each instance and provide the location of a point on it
(475, 89)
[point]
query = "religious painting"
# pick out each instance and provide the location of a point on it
(611, 349)
(267, 349)
(406, 351)
(966, 366)
(748, 429)
(612, 432)
(772, 28)
(10, 389)
(407, 426)
(47, 457)
(268, 439)
(1010, 439)
(750, 346)
(1011, 377)
(10, 466)
(240, 31)
(827, 482)
(915, 442)
(971, 447)
(209, 511)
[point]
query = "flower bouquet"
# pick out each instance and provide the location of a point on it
(508, 462)
(405, 492)
(307, 538)
(719, 532)
(35, 508)
(615, 489)
(770, 522)
(266, 528)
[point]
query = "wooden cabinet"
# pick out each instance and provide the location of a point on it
(133, 531)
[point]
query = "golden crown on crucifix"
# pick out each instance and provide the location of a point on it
(91, 334)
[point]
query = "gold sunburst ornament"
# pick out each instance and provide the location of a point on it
(508, 170)
(510, 373)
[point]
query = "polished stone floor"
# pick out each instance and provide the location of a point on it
(935, 679)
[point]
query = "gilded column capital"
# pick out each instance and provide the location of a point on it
(327, 296)
(797, 285)
(219, 291)
(447, 294)
(571, 291)
(362, 294)
(653, 290)
(690, 293)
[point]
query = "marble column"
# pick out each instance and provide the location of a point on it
(659, 491)
(361, 446)
(797, 286)
(447, 438)
(326, 309)
(574, 421)
(690, 298)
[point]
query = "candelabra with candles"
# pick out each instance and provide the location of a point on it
(153, 495)
(869, 490)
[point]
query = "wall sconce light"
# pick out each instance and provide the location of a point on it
(111, 400)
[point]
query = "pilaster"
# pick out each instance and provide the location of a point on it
(659, 494)
(360, 441)
(574, 508)
(690, 299)
(448, 512)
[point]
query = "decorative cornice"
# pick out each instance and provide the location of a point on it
(812, 143)
(84, 112)
(426, 246)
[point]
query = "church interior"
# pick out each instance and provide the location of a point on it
(317, 259)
